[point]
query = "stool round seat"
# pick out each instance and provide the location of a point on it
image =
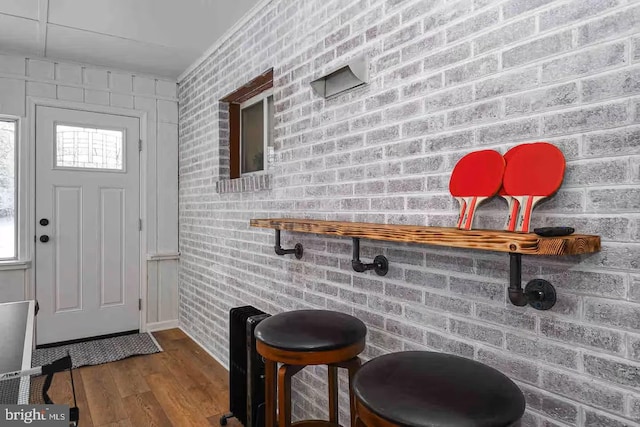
(300, 338)
(427, 389)
(311, 330)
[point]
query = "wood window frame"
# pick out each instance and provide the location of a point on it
(250, 90)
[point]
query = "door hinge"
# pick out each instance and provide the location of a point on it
(140, 304)
(140, 224)
(139, 145)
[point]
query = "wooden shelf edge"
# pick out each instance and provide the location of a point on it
(489, 240)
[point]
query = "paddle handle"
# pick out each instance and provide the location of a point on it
(471, 211)
(527, 203)
(463, 210)
(514, 207)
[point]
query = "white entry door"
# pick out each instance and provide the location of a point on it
(87, 224)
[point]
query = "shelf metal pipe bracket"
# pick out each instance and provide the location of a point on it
(538, 293)
(297, 249)
(380, 263)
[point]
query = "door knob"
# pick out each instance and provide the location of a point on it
(44, 238)
(44, 222)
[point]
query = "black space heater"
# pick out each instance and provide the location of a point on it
(246, 368)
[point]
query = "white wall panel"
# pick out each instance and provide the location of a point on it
(161, 197)
(12, 96)
(152, 292)
(41, 90)
(167, 111)
(10, 64)
(96, 97)
(167, 290)
(166, 88)
(121, 82)
(167, 179)
(69, 73)
(39, 69)
(163, 298)
(95, 78)
(12, 285)
(70, 93)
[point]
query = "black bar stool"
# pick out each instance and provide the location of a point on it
(426, 389)
(308, 337)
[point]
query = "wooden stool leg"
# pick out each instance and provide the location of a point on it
(270, 392)
(352, 367)
(284, 393)
(332, 372)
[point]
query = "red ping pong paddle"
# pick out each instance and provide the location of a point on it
(476, 177)
(534, 172)
(514, 205)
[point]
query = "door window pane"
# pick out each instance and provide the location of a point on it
(8, 189)
(252, 140)
(78, 147)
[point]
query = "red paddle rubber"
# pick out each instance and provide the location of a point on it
(533, 173)
(475, 178)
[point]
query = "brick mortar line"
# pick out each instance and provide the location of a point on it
(597, 380)
(475, 126)
(539, 11)
(419, 77)
(476, 101)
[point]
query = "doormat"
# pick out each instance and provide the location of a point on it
(99, 351)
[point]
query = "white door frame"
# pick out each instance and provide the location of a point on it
(32, 103)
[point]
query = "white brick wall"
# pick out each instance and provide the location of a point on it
(446, 78)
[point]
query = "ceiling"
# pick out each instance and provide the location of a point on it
(159, 37)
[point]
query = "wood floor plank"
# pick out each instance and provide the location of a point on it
(150, 364)
(170, 339)
(175, 402)
(103, 398)
(127, 377)
(183, 375)
(121, 423)
(190, 366)
(145, 410)
(212, 368)
(182, 386)
(61, 392)
(170, 344)
(207, 399)
(171, 334)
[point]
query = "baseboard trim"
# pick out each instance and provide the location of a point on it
(161, 326)
(204, 348)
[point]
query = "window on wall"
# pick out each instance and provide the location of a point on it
(256, 134)
(250, 125)
(8, 189)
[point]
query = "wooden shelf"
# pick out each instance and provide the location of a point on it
(489, 240)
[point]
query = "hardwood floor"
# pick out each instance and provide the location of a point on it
(182, 386)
